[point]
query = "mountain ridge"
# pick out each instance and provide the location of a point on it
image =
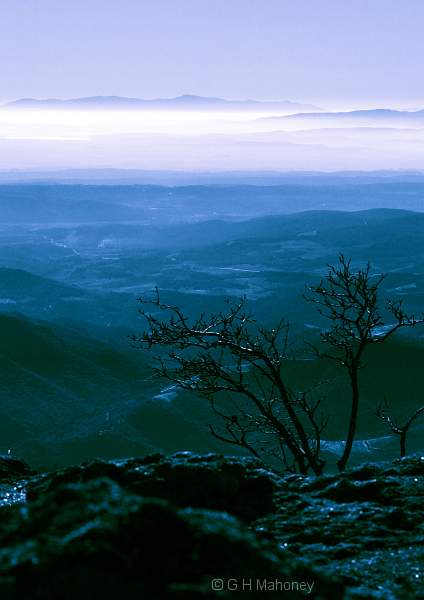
(374, 113)
(183, 103)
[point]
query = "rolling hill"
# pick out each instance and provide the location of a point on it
(66, 398)
(61, 392)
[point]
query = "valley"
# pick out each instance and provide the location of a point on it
(74, 260)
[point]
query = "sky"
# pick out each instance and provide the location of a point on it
(331, 52)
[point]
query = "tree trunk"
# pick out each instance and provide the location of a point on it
(342, 462)
(403, 442)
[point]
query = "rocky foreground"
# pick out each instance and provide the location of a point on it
(176, 527)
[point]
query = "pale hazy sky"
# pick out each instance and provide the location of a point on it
(327, 51)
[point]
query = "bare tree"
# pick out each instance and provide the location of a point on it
(348, 299)
(239, 367)
(383, 412)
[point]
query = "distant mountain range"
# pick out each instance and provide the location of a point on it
(181, 103)
(358, 117)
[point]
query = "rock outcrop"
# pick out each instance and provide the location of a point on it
(104, 530)
(365, 526)
(166, 527)
(12, 469)
(240, 486)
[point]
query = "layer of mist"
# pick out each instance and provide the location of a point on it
(83, 135)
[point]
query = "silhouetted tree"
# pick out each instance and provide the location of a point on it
(383, 412)
(348, 299)
(239, 367)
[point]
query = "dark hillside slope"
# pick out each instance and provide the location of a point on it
(57, 388)
(65, 397)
